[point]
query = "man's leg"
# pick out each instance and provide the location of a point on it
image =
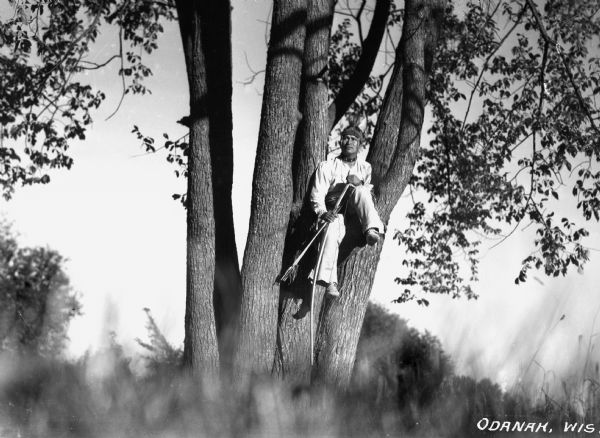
(330, 244)
(361, 201)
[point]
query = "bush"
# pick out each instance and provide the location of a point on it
(37, 302)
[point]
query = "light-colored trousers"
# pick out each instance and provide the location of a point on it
(360, 202)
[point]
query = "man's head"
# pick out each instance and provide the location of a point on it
(350, 141)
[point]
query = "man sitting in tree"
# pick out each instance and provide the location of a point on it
(331, 177)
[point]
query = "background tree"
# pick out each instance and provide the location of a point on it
(36, 301)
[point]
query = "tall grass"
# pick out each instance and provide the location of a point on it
(99, 396)
(403, 385)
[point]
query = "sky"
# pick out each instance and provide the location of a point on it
(113, 218)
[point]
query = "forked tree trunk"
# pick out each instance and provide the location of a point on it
(216, 45)
(292, 358)
(271, 189)
(342, 318)
(275, 187)
(200, 345)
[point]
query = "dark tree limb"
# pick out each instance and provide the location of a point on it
(370, 48)
(359, 23)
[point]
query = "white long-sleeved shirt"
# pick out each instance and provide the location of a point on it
(332, 172)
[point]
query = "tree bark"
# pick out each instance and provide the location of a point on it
(272, 189)
(200, 345)
(341, 321)
(292, 358)
(228, 286)
(311, 140)
(385, 137)
(370, 49)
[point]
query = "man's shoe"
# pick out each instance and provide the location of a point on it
(332, 290)
(303, 310)
(372, 236)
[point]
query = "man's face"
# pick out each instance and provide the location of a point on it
(350, 145)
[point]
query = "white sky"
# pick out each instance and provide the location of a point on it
(113, 217)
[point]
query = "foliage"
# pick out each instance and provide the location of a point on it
(488, 108)
(404, 365)
(46, 100)
(160, 354)
(36, 301)
(514, 131)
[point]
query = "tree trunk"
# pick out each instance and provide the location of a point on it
(385, 137)
(272, 189)
(311, 140)
(292, 358)
(341, 321)
(228, 285)
(200, 345)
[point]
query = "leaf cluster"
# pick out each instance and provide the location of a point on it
(46, 101)
(177, 153)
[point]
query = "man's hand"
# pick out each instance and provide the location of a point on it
(354, 180)
(328, 216)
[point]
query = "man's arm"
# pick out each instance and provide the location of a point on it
(363, 177)
(320, 188)
(354, 180)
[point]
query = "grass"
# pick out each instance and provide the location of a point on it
(403, 386)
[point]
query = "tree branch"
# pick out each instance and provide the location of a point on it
(351, 89)
(80, 37)
(95, 65)
(121, 73)
(559, 51)
(359, 23)
(254, 73)
(485, 66)
(533, 158)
